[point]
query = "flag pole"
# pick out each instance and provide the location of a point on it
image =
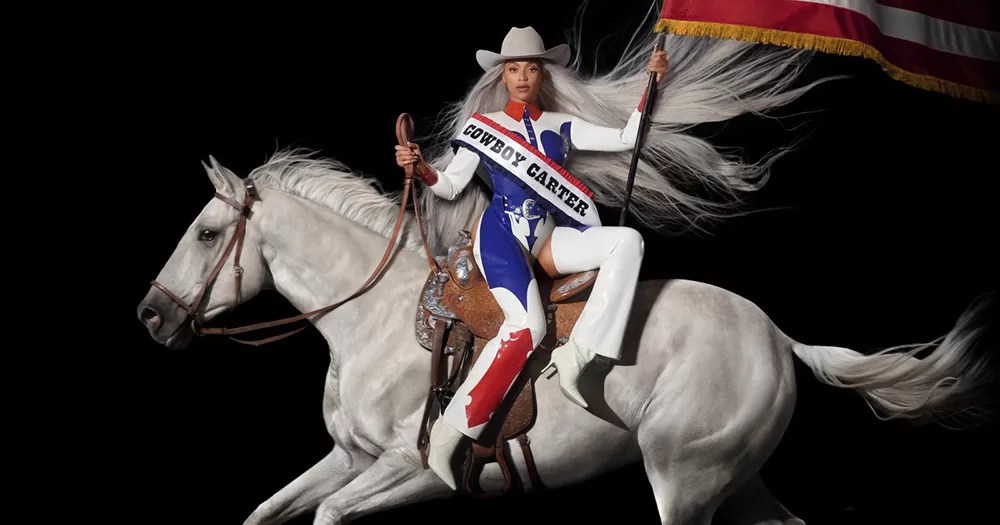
(647, 109)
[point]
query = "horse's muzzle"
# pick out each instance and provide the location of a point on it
(166, 321)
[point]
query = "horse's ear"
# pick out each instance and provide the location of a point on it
(224, 180)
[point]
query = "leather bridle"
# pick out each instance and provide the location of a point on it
(404, 130)
(236, 241)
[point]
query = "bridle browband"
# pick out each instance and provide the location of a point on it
(404, 130)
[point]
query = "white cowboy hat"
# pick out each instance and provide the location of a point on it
(523, 42)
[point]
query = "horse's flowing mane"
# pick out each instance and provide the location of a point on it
(709, 80)
(329, 182)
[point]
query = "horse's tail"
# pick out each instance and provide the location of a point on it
(948, 383)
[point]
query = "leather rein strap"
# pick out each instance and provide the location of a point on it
(404, 131)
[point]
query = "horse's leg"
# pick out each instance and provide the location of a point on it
(753, 504)
(303, 494)
(687, 491)
(693, 473)
(690, 473)
(394, 480)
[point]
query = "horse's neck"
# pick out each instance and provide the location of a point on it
(317, 257)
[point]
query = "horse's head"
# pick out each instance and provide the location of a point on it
(216, 265)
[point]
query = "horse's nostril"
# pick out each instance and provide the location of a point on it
(149, 316)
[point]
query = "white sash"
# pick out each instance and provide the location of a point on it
(558, 191)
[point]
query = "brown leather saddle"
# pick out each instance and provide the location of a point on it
(456, 316)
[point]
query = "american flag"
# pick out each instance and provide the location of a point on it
(951, 47)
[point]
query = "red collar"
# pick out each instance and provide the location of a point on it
(515, 110)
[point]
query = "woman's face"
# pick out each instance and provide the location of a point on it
(523, 80)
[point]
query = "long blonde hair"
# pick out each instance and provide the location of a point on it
(709, 80)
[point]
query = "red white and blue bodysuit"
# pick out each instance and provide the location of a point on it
(514, 227)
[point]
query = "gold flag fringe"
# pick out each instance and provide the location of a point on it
(825, 44)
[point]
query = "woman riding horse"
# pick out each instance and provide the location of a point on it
(539, 213)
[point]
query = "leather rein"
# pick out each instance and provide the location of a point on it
(404, 131)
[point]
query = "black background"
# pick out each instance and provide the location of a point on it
(882, 230)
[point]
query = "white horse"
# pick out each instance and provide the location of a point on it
(706, 387)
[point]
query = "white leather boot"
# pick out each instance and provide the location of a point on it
(570, 360)
(600, 329)
(443, 442)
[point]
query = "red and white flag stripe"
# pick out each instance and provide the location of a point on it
(947, 46)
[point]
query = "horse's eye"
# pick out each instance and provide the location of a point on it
(206, 235)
